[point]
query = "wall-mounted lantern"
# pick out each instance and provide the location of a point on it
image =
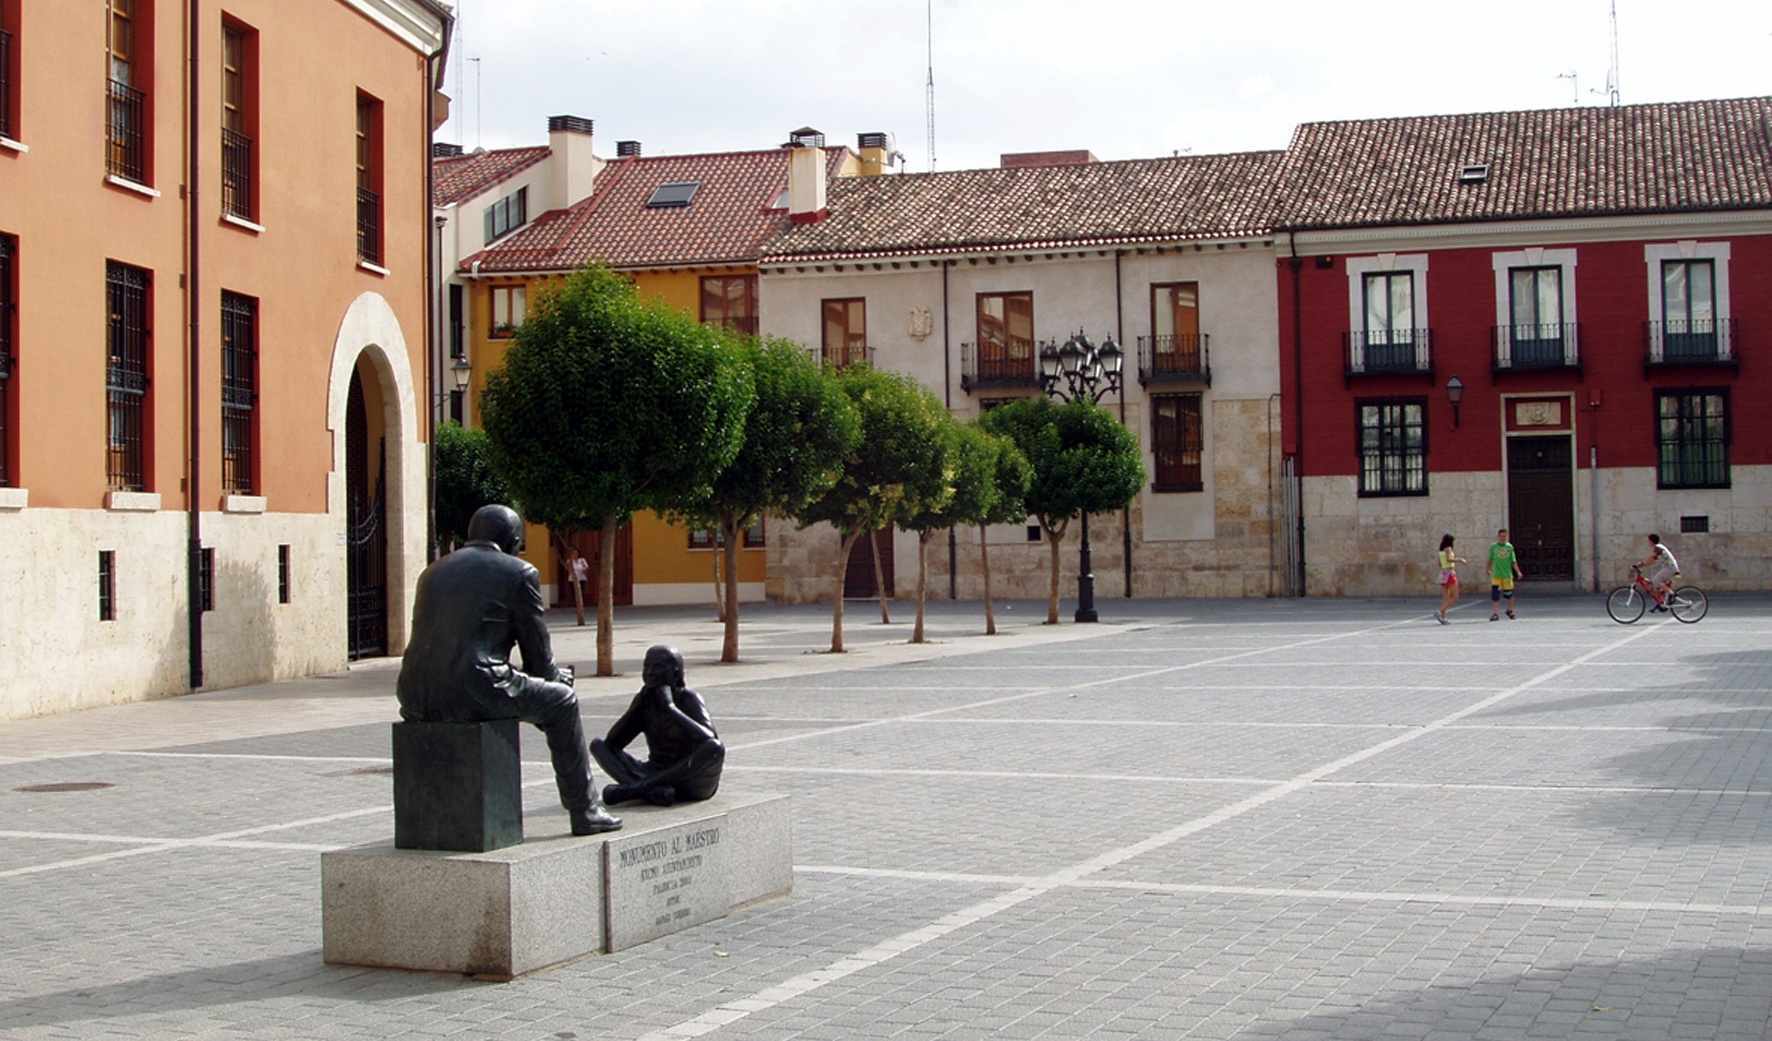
(1455, 394)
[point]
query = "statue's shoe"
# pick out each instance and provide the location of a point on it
(594, 821)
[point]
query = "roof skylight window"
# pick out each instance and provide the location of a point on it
(1474, 173)
(676, 195)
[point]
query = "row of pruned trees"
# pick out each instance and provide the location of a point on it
(608, 403)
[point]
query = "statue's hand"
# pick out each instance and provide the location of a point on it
(565, 674)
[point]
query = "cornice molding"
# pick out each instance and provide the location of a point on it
(1548, 232)
(420, 24)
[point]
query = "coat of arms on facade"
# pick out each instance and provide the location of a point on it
(921, 324)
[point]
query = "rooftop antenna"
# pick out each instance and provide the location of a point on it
(477, 98)
(1574, 83)
(929, 15)
(1612, 72)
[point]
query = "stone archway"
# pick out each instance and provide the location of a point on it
(370, 351)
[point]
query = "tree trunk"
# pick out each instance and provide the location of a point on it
(845, 545)
(1053, 537)
(923, 538)
(606, 598)
(984, 563)
(880, 571)
(719, 590)
(729, 614)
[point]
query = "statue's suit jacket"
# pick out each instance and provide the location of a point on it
(471, 608)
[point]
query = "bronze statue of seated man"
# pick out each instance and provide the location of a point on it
(471, 608)
(684, 755)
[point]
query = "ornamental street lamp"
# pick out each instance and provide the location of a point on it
(1088, 372)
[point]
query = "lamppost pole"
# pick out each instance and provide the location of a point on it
(1088, 372)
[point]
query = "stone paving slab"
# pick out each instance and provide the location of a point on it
(1224, 819)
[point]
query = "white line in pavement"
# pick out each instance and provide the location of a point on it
(252, 755)
(732, 1011)
(1294, 893)
(1028, 775)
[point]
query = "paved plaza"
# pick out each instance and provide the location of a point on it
(1199, 819)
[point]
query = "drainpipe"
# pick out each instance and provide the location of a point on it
(1593, 508)
(433, 344)
(947, 391)
(1120, 337)
(194, 357)
(1296, 263)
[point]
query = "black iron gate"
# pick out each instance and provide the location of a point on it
(366, 541)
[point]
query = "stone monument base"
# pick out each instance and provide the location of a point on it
(510, 911)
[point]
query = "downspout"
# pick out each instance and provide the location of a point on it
(194, 356)
(1593, 508)
(1120, 338)
(433, 346)
(947, 390)
(1297, 265)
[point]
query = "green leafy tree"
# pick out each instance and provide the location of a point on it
(897, 466)
(972, 463)
(798, 433)
(607, 404)
(1083, 461)
(465, 479)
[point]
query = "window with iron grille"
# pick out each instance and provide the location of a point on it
(239, 118)
(107, 585)
(1393, 446)
(1692, 438)
(126, 127)
(707, 538)
(126, 376)
(239, 403)
(283, 583)
(206, 578)
(369, 173)
(1177, 443)
(8, 246)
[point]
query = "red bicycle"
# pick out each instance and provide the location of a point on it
(1626, 604)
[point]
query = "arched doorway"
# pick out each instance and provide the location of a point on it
(366, 512)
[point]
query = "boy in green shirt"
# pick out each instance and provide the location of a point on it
(1504, 567)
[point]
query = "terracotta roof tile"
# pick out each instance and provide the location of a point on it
(1660, 158)
(727, 221)
(1051, 207)
(459, 177)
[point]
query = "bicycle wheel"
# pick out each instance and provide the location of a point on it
(1688, 604)
(1624, 604)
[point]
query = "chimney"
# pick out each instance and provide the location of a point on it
(1077, 157)
(575, 166)
(806, 187)
(627, 149)
(875, 152)
(443, 150)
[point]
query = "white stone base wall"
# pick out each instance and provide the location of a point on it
(1387, 546)
(61, 657)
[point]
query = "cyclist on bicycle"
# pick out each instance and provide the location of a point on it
(1659, 567)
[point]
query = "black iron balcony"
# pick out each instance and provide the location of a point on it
(126, 154)
(1174, 358)
(1536, 348)
(1387, 352)
(236, 185)
(5, 83)
(835, 357)
(1009, 363)
(1692, 342)
(368, 226)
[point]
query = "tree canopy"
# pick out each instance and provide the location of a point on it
(465, 479)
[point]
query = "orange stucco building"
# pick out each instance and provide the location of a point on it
(213, 318)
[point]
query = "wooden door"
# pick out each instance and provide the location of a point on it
(1541, 507)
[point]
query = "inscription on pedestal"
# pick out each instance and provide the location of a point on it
(658, 882)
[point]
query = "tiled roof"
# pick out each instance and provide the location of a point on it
(459, 177)
(1050, 207)
(727, 221)
(1662, 158)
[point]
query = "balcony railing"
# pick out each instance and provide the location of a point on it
(1707, 342)
(5, 83)
(1388, 352)
(126, 154)
(998, 364)
(368, 226)
(1520, 348)
(236, 185)
(834, 357)
(1174, 358)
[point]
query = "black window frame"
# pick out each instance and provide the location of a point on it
(1698, 460)
(1687, 337)
(107, 585)
(239, 394)
(1170, 436)
(1387, 439)
(506, 215)
(130, 338)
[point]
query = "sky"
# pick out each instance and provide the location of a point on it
(1125, 79)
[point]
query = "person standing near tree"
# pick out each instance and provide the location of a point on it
(1504, 567)
(1448, 576)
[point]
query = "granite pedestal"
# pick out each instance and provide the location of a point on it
(505, 912)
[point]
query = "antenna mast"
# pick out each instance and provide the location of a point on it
(929, 15)
(1612, 73)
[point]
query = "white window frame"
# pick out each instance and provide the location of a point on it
(1383, 263)
(1688, 249)
(1536, 256)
